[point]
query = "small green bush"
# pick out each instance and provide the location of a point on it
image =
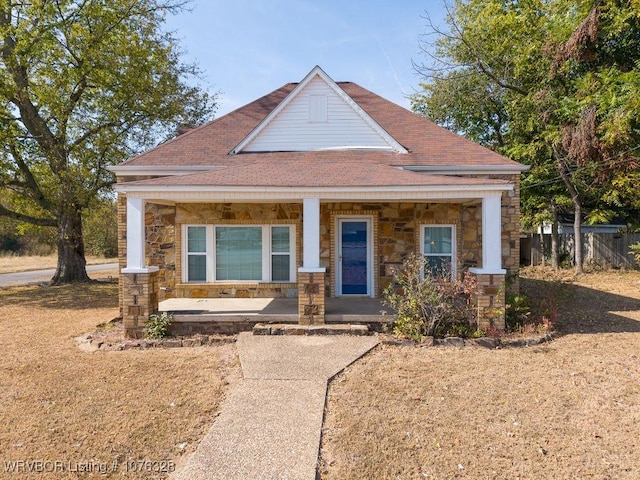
(158, 325)
(517, 312)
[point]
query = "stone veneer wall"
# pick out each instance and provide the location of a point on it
(511, 234)
(396, 234)
(160, 232)
(236, 214)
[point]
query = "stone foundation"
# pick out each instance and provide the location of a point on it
(140, 299)
(311, 297)
(490, 301)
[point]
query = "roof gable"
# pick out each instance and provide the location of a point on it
(318, 115)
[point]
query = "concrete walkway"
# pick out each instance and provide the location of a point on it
(270, 424)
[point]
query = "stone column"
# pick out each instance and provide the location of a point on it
(140, 299)
(140, 282)
(490, 298)
(311, 283)
(490, 301)
(311, 297)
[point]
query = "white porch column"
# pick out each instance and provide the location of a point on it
(311, 276)
(491, 236)
(311, 235)
(135, 237)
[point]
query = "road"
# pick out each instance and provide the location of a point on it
(40, 276)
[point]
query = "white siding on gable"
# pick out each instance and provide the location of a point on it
(300, 127)
(317, 108)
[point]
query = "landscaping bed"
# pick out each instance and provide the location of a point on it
(110, 336)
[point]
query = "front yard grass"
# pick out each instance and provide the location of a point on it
(60, 404)
(567, 409)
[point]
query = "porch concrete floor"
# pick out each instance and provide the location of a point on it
(336, 308)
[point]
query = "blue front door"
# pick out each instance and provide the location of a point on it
(354, 254)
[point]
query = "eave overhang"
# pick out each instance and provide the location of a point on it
(467, 169)
(189, 194)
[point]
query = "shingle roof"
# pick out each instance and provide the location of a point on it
(210, 144)
(428, 145)
(321, 169)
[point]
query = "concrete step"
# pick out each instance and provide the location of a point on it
(318, 329)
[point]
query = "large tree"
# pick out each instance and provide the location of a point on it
(551, 83)
(84, 84)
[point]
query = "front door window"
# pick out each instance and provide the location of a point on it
(354, 255)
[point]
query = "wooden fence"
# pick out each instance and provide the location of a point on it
(609, 250)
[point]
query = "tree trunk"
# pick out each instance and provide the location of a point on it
(71, 262)
(543, 253)
(555, 254)
(577, 234)
(555, 264)
(577, 210)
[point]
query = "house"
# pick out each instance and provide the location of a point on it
(318, 189)
(566, 228)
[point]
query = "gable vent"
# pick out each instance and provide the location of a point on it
(317, 108)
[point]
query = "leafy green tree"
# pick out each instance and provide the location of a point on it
(549, 83)
(100, 228)
(84, 84)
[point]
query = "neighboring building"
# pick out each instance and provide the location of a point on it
(316, 189)
(567, 228)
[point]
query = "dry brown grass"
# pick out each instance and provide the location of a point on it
(568, 409)
(15, 263)
(58, 403)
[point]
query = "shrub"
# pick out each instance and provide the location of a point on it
(519, 317)
(429, 304)
(517, 312)
(158, 325)
(635, 251)
(9, 243)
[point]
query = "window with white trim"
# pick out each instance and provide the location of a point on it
(239, 253)
(196, 253)
(438, 245)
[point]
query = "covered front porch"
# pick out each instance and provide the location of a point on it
(233, 315)
(316, 227)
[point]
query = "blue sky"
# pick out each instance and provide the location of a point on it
(247, 48)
